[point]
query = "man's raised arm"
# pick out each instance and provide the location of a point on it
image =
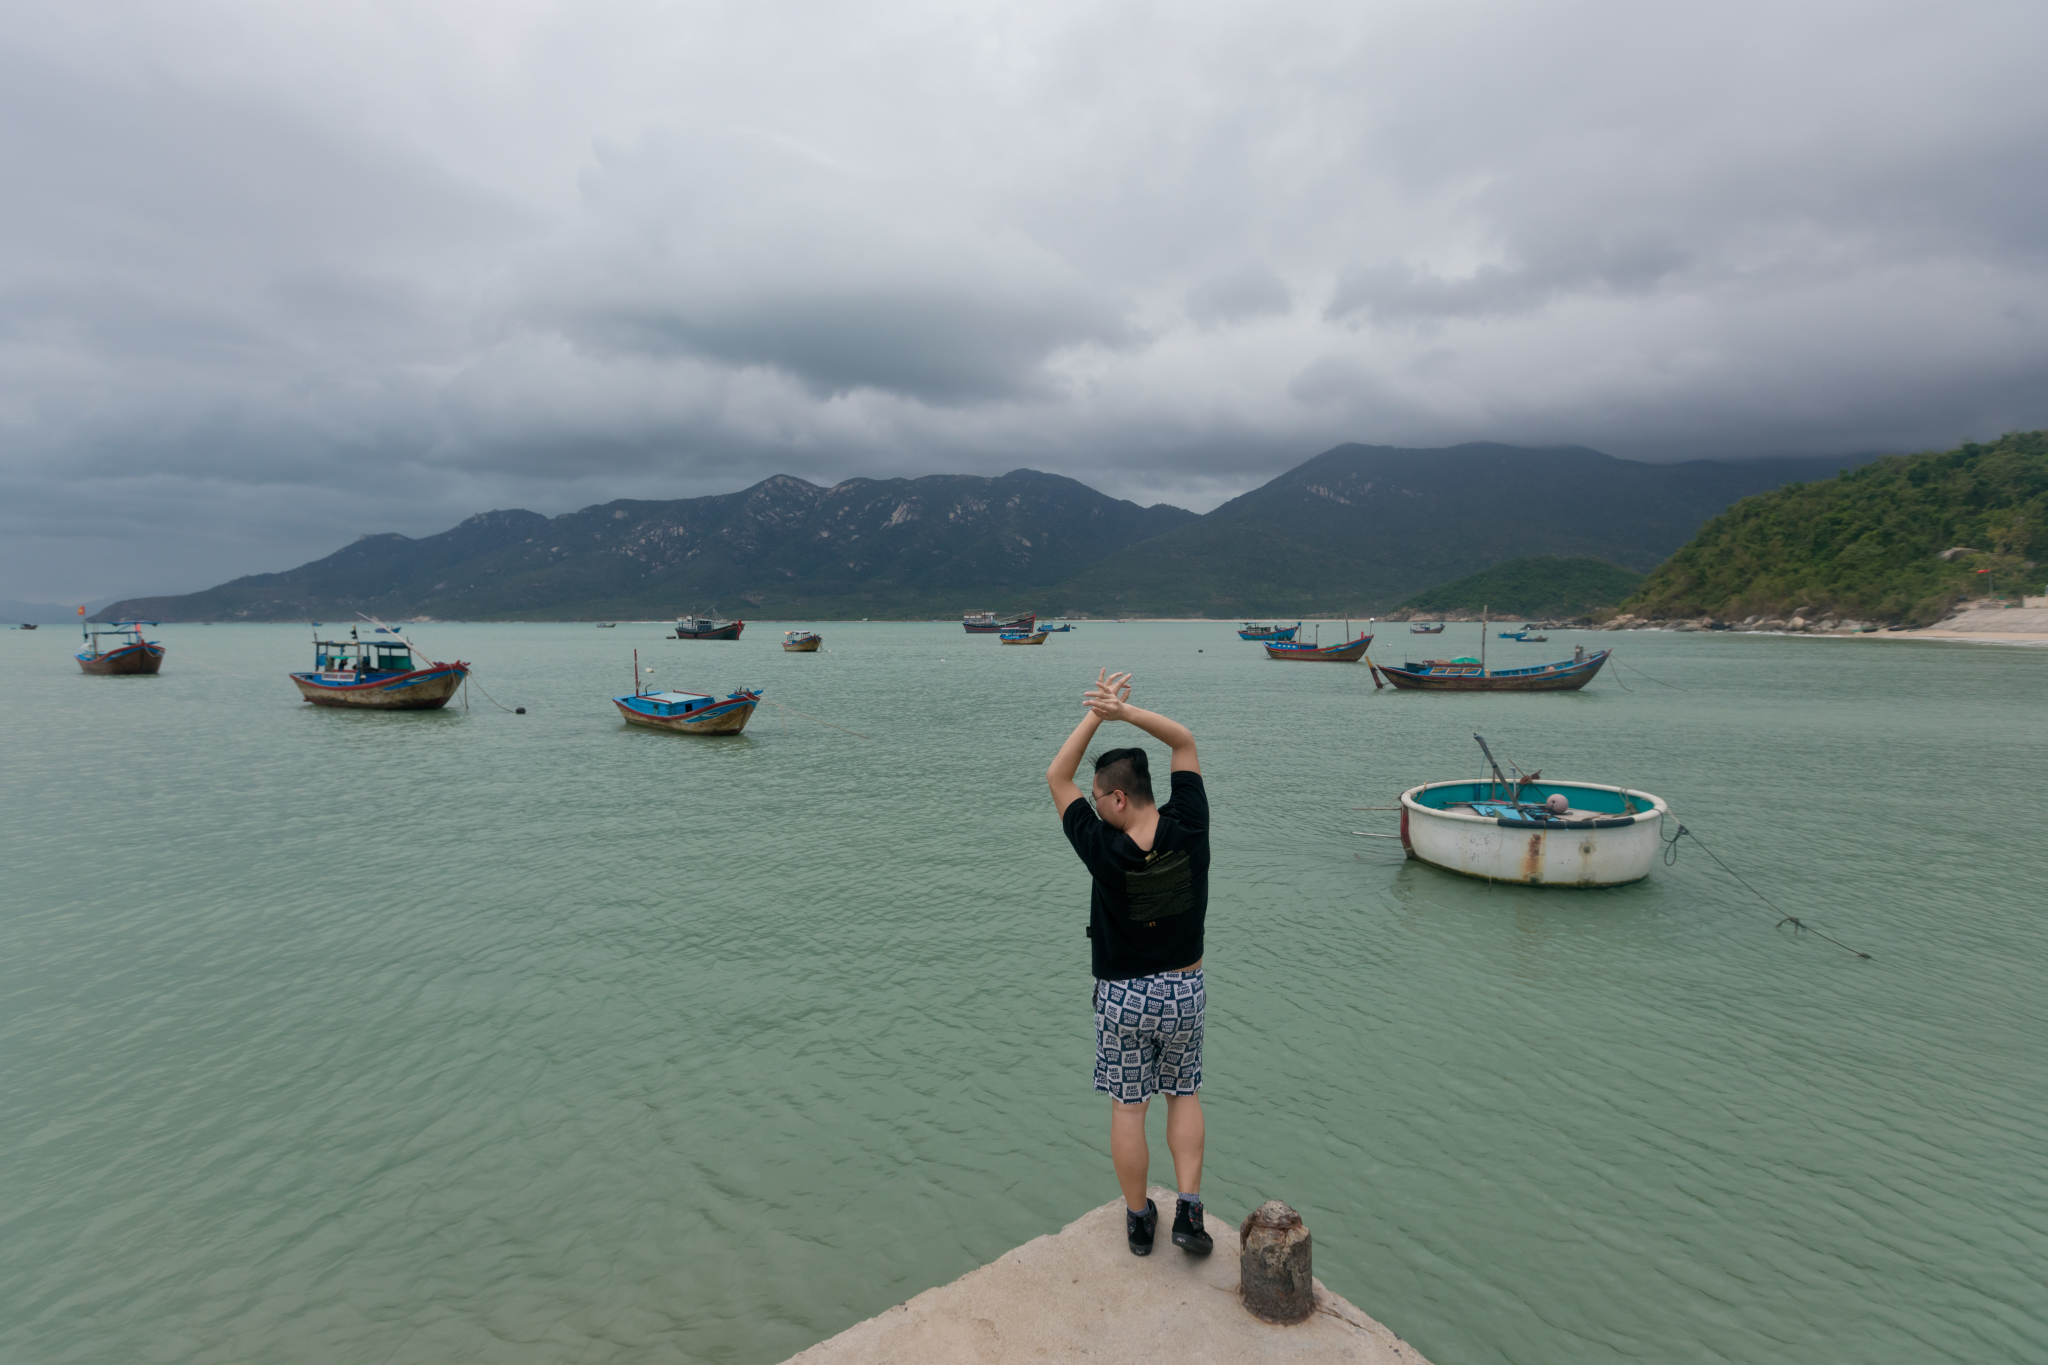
(1108, 703)
(1060, 775)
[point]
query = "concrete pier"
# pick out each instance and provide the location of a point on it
(1079, 1294)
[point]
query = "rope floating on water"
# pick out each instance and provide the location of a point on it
(488, 697)
(1671, 858)
(1659, 681)
(826, 723)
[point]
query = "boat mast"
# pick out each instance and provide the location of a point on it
(1484, 631)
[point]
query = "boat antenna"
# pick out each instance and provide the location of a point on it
(1498, 778)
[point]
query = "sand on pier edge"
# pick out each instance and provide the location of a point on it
(1080, 1293)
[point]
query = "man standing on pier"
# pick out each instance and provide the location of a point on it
(1150, 865)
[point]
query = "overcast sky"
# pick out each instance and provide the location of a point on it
(276, 273)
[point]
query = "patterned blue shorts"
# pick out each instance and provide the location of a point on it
(1148, 1036)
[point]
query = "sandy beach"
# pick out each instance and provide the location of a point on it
(1989, 625)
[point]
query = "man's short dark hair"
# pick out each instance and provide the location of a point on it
(1127, 771)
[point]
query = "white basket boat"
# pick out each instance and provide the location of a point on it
(1512, 832)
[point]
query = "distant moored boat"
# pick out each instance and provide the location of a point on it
(1259, 630)
(1023, 637)
(377, 675)
(1350, 652)
(988, 623)
(802, 641)
(690, 713)
(128, 653)
(708, 628)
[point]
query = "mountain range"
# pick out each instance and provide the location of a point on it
(1354, 529)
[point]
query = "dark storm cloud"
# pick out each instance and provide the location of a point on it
(273, 277)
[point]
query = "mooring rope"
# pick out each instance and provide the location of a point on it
(471, 677)
(1659, 681)
(1671, 859)
(826, 723)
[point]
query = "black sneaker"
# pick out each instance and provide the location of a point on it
(1187, 1228)
(1139, 1227)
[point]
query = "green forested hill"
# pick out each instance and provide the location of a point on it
(1542, 585)
(1869, 543)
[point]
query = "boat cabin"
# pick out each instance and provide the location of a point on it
(672, 703)
(362, 657)
(123, 634)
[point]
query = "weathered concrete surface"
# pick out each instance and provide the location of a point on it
(1079, 1294)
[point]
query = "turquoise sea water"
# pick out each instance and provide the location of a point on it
(468, 1036)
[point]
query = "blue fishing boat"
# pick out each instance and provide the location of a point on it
(377, 675)
(1472, 675)
(128, 654)
(1023, 637)
(1259, 630)
(1301, 651)
(690, 713)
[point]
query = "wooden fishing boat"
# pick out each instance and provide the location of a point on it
(1472, 675)
(607, 625)
(690, 713)
(988, 623)
(1060, 629)
(126, 654)
(1021, 637)
(1533, 831)
(708, 628)
(1350, 652)
(1260, 630)
(377, 675)
(1436, 629)
(801, 641)
(27, 625)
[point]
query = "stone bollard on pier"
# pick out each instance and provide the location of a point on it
(1275, 1273)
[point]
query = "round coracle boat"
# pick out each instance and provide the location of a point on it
(1541, 833)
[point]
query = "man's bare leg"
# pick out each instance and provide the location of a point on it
(1128, 1151)
(1184, 1134)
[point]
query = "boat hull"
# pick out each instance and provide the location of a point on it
(423, 689)
(726, 632)
(124, 662)
(727, 717)
(1348, 653)
(1608, 850)
(1559, 677)
(1025, 622)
